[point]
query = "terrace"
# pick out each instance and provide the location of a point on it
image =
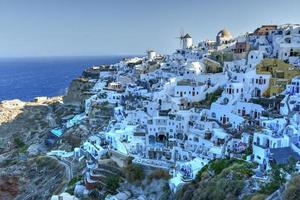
(186, 82)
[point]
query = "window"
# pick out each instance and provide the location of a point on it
(213, 115)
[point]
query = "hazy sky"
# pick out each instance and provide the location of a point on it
(98, 27)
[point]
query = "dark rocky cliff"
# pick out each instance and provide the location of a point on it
(78, 92)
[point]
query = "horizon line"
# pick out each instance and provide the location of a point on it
(70, 56)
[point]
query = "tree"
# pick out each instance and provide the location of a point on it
(277, 179)
(18, 142)
(112, 183)
(134, 173)
(290, 167)
(292, 191)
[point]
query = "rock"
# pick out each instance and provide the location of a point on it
(8, 187)
(78, 92)
(35, 149)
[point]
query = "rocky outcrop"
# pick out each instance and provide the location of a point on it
(24, 127)
(78, 92)
(36, 178)
(99, 115)
(25, 123)
(8, 187)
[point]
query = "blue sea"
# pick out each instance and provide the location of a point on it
(26, 78)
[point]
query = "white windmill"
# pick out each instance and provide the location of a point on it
(185, 40)
(151, 54)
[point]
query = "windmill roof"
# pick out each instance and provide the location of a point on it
(187, 36)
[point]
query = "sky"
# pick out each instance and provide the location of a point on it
(33, 28)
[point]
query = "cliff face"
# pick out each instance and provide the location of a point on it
(28, 122)
(99, 115)
(34, 178)
(78, 92)
(23, 129)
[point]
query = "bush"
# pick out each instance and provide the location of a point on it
(290, 167)
(23, 149)
(277, 179)
(219, 164)
(220, 179)
(243, 168)
(159, 174)
(112, 183)
(18, 142)
(292, 191)
(74, 180)
(259, 197)
(200, 173)
(134, 173)
(269, 188)
(211, 97)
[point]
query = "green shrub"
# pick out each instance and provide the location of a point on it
(112, 183)
(74, 180)
(200, 173)
(269, 188)
(219, 164)
(219, 179)
(292, 191)
(210, 98)
(277, 179)
(134, 173)
(18, 142)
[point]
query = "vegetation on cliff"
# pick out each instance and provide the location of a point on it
(292, 192)
(220, 179)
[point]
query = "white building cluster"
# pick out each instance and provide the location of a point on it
(203, 102)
